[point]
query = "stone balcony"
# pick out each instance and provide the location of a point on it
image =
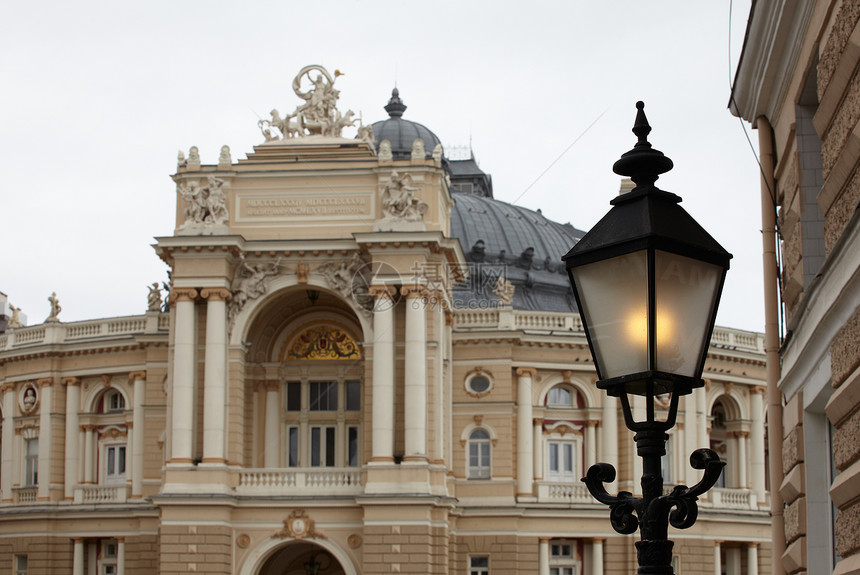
(716, 498)
(304, 481)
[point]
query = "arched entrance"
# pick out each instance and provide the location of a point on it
(301, 558)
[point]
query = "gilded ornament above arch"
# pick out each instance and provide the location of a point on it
(323, 342)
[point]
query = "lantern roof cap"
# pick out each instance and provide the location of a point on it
(646, 217)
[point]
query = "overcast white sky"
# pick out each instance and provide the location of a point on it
(98, 97)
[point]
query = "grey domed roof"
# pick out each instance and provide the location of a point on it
(519, 244)
(402, 133)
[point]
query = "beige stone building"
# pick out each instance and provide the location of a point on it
(797, 83)
(366, 365)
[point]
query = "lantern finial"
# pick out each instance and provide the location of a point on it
(643, 164)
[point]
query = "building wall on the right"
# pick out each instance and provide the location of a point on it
(798, 83)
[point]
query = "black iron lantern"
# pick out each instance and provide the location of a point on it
(647, 279)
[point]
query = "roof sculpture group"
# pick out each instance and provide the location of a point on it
(318, 115)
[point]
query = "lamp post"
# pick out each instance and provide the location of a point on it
(647, 280)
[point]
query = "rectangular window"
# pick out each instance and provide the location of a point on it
(479, 566)
(31, 462)
(323, 396)
(562, 560)
(294, 396)
(21, 565)
(292, 446)
(322, 446)
(561, 461)
(116, 402)
(353, 396)
(115, 461)
(352, 446)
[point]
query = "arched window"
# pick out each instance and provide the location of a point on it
(479, 454)
(112, 400)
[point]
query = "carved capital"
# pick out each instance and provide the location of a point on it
(71, 381)
(216, 294)
(526, 372)
(45, 382)
(591, 423)
(382, 292)
(182, 294)
(272, 386)
(537, 421)
(414, 291)
(8, 386)
(136, 376)
(758, 390)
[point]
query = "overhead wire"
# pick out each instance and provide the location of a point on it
(764, 178)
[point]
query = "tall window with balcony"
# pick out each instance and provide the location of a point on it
(323, 399)
(564, 416)
(31, 462)
(479, 453)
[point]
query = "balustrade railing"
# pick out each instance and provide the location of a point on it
(25, 494)
(329, 480)
(96, 494)
(58, 333)
(570, 322)
(562, 492)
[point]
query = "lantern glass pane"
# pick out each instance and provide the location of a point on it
(613, 295)
(685, 293)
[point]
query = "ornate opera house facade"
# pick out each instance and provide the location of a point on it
(362, 364)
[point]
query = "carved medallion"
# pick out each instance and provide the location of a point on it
(298, 526)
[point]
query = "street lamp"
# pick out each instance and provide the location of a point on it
(647, 280)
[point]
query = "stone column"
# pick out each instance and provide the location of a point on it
(525, 457)
(120, 555)
(138, 381)
(272, 450)
(752, 558)
(757, 443)
(73, 434)
(718, 564)
(597, 557)
(182, 426)
(415, 384)
(538, 448)
(590, 445)
(88, 453)
(743, 479)
(7, 448)
(690, 476)
(543, 556)
(701, 418)
(382, 449)
(215, 375)
(46, 389)
(78, 557)
(609, 431)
